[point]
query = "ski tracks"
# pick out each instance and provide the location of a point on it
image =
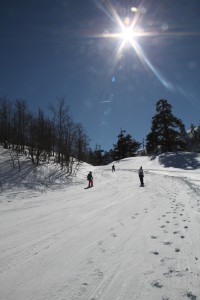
(139, 254)
(116, 241)
(176, 272)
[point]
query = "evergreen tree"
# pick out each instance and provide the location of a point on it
(108, 157)
(126, 146)
(98, 156)
(166, 131)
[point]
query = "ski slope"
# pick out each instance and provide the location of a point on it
(115, 241)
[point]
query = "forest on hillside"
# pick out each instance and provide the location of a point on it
(56, 135)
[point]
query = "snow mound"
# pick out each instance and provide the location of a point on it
(20, 175)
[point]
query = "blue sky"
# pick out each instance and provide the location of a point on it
(59, 48)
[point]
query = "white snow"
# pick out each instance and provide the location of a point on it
(115, 241)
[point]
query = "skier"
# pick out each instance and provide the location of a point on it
(113, 168)
(90, 179)
(141, 176)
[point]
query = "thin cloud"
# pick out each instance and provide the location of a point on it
(106, 101)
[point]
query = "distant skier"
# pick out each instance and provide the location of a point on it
(90, 179)
(113, 168)
(141, 176)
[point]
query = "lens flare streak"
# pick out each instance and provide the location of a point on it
(128, 34)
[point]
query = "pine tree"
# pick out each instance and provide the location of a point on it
(126, 146)
(98, 156)
(166, 130)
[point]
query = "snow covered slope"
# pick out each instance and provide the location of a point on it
(116, 240)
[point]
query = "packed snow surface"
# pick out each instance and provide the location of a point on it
(115, 241)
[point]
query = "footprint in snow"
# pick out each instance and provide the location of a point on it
(98, 273)
(154, 237)
(114, 235)
(165, 260)
(167, 243)
(191, 296)
(177, 250)
(157, 284)
(173, 273)
(83, 288)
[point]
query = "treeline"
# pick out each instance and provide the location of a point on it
(59, 136)
(167, 134)
(126, 146)
(41, 136)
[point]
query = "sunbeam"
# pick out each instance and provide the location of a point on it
(130, 30)
(143, 58)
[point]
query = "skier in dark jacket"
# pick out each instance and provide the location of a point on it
(90, 179)
(141, 176)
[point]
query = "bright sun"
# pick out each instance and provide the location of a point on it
(127, 34)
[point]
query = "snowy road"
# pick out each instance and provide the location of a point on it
(114, 241)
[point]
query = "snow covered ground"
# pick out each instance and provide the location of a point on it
(115, 241)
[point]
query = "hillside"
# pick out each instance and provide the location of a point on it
(115, 241)
(32, 180)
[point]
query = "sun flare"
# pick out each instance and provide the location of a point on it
(127, 34)
(133, 27)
